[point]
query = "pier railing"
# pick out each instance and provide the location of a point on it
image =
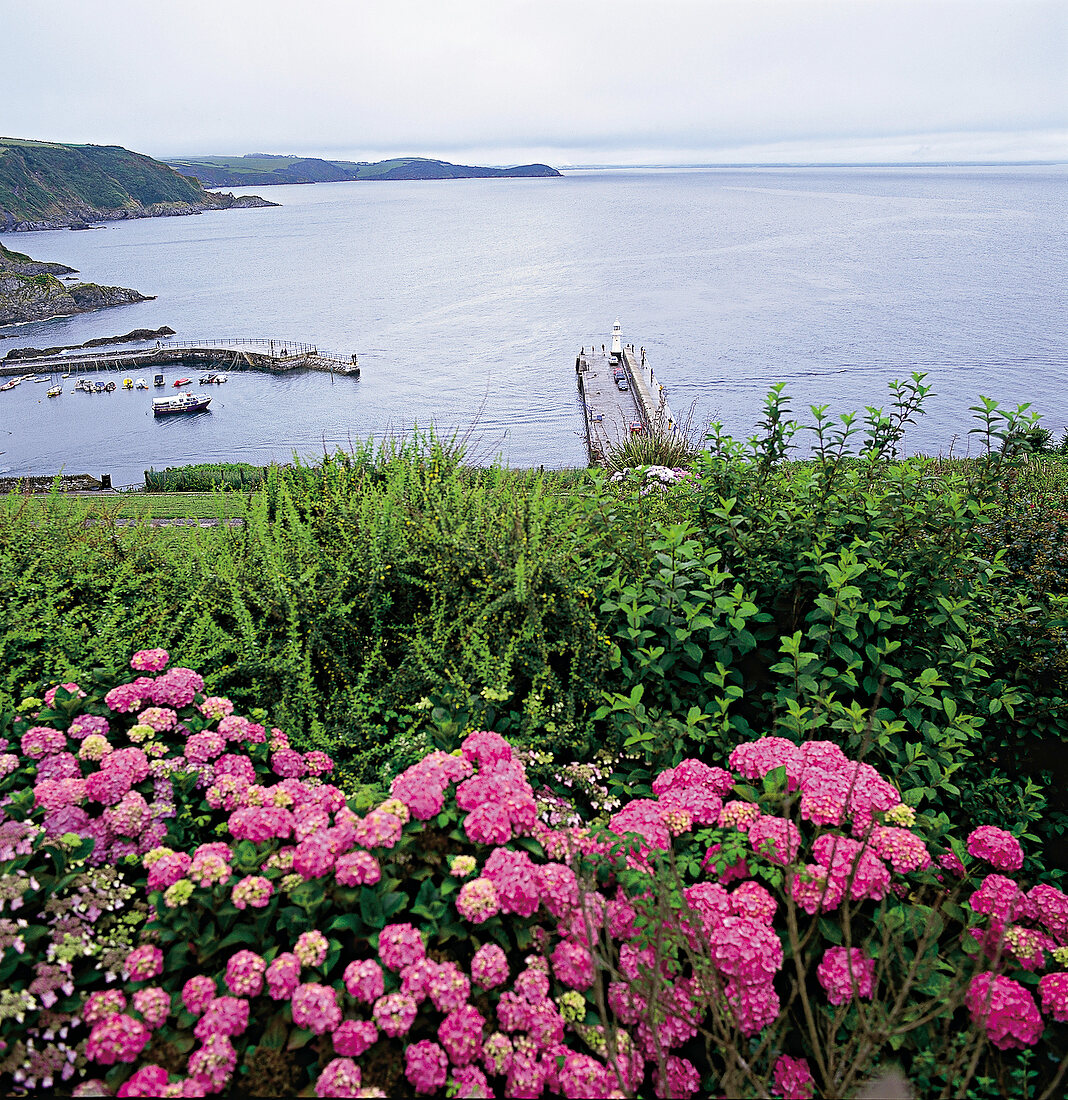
(267, 353)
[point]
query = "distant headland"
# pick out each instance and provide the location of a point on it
(46, 185)
(263, 169)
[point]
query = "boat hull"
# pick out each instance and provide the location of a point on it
(188, 402)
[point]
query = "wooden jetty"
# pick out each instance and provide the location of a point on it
(611, 415)
(276, 356)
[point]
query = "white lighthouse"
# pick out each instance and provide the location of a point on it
(617, 339)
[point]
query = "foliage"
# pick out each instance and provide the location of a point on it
(206, 477)
(788, 904)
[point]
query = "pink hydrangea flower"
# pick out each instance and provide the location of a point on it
(776, 837)
(394, 1013)
(793, 1079)
(364, 979)
(315, 1008)
(244, 973)
(1050, 907)
(477, 900)
(745, 950)
(340, 1077)
(282, 976)
(210, 864)
(176, 688)
(572, 965)
(1001, 898)
(357, 869)
(1053, 989)
(400, 945)
(426, 1066)
(680, 1080)
(844, 973)
(460, 1034)
(104, 1002)
(41, 741)
(352, 1038)
(311, 948)
(117, 1038)
(252, 890)
(997, 847)
(489, 967)
(215, 707)
(486, 747)
(1005, 1009)
(149, 660)
(198, 993)
(150, 1080)
(903, 849)
(223, 1016)
(144, 963)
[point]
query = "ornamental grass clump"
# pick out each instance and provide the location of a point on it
(192, 908)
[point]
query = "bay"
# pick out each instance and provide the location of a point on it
(468, 300)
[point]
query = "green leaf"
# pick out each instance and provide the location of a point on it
(371, 909)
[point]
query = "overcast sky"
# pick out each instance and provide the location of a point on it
(560, 81)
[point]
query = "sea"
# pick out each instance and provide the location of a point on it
(467, 302)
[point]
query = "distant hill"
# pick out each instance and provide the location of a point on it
(263, 169)
(45, 185)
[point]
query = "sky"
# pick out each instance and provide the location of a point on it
(565, 82)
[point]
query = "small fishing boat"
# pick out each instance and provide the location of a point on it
(182, 382)
(183, 402)
(10, 385)
(39, 378)
(97, 387)
(110, 387)
(55, 391)
(84, 384)
(127, 383)
(157, 378)
(141, 384)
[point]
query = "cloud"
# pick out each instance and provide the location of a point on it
(519, 76)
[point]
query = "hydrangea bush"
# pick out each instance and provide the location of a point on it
(191, 907)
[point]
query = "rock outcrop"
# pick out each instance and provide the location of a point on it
(30, 291)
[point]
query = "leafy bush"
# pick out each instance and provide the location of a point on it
(778, 928)
(206, 477)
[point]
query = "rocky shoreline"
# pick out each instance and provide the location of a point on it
(31, 291)
(79, 218)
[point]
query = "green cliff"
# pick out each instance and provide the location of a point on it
(263, 169)
(44, 185)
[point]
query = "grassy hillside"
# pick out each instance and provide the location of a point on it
(261, 169)
(47, 185)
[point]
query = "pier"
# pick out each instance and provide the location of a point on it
(276, 356)
(612, 415)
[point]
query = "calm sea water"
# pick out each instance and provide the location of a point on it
(468, 300)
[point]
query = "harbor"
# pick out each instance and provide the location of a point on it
(620, 395)
(275, 356)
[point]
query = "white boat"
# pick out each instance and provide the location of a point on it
(141, 384)
(182, 402)
(55, 391)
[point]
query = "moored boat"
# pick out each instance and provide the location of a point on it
(182, 382)
(141, 384)
(96, 387)
(127, 383)
(157, 378)
(183, 402)
(55, 391)
(110, 387)
(10, 385)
